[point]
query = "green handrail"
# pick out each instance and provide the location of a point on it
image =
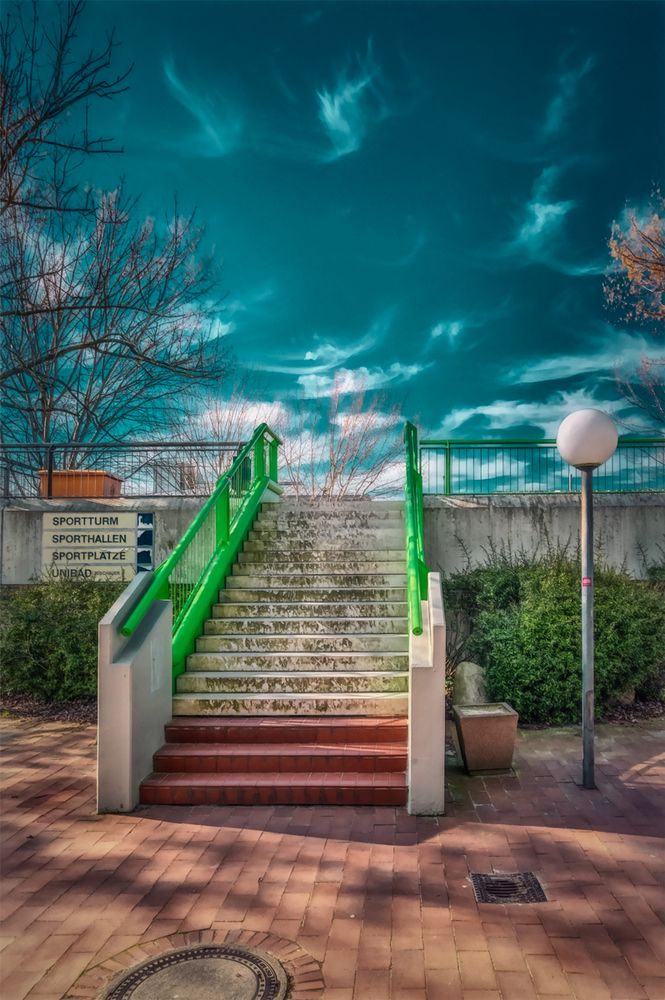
(416, 567)
(193, 573)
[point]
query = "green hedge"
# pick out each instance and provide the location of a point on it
(48, 639)
(526, 632)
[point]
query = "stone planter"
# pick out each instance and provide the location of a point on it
(486, 735)
(79, 483)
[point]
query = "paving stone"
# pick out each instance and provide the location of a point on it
(109, 884)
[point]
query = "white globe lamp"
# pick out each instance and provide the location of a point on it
(586, 439)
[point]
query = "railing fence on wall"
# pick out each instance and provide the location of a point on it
(473, 467)
(136, 469)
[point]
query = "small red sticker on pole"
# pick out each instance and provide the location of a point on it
(586, 581)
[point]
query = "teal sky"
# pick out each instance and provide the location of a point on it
(410, 197)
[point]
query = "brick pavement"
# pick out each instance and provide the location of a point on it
(380, 899)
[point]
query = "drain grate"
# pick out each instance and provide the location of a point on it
(521, 887)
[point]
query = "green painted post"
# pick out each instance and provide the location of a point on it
(447, 476)
(222, 517)
(272, 451)
(259, 459)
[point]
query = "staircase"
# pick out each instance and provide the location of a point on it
(297, 692)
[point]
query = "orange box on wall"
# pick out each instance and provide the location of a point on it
(79, 483)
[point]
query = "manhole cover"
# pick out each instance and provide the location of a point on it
(522, 887)
(209, 972)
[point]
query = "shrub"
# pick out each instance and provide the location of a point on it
(48, 644)
(526, 631)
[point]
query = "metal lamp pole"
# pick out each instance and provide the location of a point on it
(588, 682)
(586, 439)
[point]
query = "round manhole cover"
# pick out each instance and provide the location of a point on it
(209, 972)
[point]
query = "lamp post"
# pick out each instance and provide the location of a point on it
(586, 439)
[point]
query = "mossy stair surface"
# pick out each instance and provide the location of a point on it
(309, 636)
(266, 628)
(315, 607)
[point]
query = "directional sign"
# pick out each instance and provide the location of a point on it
(79, 545)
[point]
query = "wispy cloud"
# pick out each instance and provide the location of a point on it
(564, 100)
(345, 381)
(539, 234)
(328, 353)
(506, 414)
(615, 350)
(348, 111)
(220, 328)
(355, 103)
(552, 128)
(450, 329)
(543, 215)
(220, 121)
(251, 300)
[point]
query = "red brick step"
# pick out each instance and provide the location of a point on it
(286, 788)
(287, 729)
(285, 760)
(266, 757)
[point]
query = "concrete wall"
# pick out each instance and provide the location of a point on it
(629, 529)
(427, 707)
(21, 528)
(134, 685)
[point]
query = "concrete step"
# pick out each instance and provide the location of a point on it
(327, 730)
(326, 682)
(391, 547)
(290, 595)
(278, 516)
(304, 643)
(261, 758)
(327, 560)
(381, 538)
(278, 567)
(283, 788)
(239, 703)
(315, 609)
(262, 627)
(276, 662)
(336, 507)
(327, 526)
(248, 580)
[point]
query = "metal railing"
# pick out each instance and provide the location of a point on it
(477, 467)
(416, 567)
(131, 469)
(193, 573)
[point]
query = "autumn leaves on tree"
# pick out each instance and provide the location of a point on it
(635, 289)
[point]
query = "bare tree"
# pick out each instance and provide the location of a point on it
(101, 326)
(106, 319)
(45, 93)
(345, 446)
(645, 388)
(222, 421)
(635, 289)
(232, 416)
